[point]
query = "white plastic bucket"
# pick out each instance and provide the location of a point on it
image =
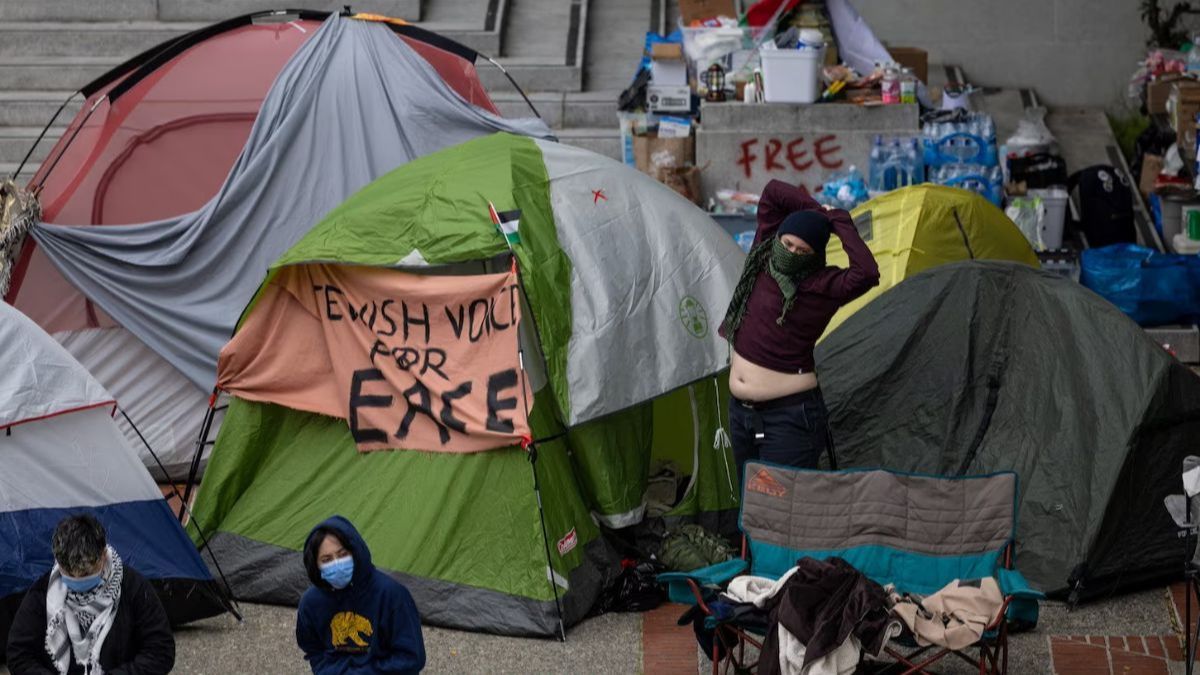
(1185, 246)
(792, 75)
(1055, 201)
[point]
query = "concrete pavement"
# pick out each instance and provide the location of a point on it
(264, 643)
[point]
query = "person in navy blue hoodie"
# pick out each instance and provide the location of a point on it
(354, 619)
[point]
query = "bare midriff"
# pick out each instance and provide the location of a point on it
(752, 382)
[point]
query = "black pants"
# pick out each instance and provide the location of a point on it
(793, 430)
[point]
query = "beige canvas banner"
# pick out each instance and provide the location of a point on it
(409, 361)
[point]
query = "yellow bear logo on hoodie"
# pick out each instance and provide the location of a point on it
(348, 627)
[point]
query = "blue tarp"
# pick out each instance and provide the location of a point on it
(1151, 288)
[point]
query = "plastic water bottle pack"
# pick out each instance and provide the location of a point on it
(895, 163)
(961, 152)
(984, 180)
(969, 139)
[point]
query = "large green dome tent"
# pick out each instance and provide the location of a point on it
(976, 367)
(622, 284)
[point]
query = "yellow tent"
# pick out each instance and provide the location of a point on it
(923, 226)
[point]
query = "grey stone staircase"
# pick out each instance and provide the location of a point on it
(572, 57)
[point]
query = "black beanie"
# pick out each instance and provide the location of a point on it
(811, 226)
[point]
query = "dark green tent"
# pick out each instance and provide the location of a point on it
(984, 366)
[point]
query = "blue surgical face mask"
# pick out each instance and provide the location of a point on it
(338, 573)
(82, 584)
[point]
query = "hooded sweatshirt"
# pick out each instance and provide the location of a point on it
(370, 626)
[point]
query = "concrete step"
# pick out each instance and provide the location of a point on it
(61, 73)
(207, 11)
(614, 47)
(35, 108)
(485, 42)
(549, 105)
(30, 39)
(16, 141)
(216, 10)
(100, 39)
(591, 109)
(532, 75)
(563, 110)
(75, 10)
(7, 168)
(606, 141)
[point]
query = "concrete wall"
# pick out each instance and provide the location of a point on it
(1072, 52)
(744, 146)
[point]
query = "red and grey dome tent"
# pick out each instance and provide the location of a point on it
(194, 165)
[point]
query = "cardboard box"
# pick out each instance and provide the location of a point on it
(1158, 91)
(1151, 166)
(683, 180)
(666, 51)
(1184, 104)
(912, 57)
(667, 67)
(699, 10)
(682, 152)
(668, 98)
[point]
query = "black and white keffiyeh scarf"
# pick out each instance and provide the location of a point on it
(78, 623)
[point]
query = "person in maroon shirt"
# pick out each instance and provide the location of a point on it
(782, 304)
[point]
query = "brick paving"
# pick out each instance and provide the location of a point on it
(1125, 654)
(667, 648)
(1114, 654)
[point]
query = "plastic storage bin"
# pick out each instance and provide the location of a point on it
(1055, 201)
(792, 75)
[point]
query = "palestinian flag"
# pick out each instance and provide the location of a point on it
(507, 222)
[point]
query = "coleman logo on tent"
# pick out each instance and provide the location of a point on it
(763, 482)
(568, 542)
(693, 317)
(411, 362)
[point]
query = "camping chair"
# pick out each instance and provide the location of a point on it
(1185, 510)
(916, 532)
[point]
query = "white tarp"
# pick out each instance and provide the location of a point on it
(38, 378)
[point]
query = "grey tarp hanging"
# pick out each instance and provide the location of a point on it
(978, 367)
(353, 103)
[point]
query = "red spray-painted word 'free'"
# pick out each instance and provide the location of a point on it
(795, 155)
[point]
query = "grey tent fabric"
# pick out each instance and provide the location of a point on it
(650, 274)
(979, 367)
(353, 103)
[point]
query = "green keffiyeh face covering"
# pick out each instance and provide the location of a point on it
(789, 269)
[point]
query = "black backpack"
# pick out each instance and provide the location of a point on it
(1105, 201)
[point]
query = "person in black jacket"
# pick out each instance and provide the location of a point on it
(90, 614)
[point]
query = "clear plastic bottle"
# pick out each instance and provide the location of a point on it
(890, 85)
(1193, 56)
(893, 175)
(989, 129)
(908, 86)
(916, 161)
(875, 170)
